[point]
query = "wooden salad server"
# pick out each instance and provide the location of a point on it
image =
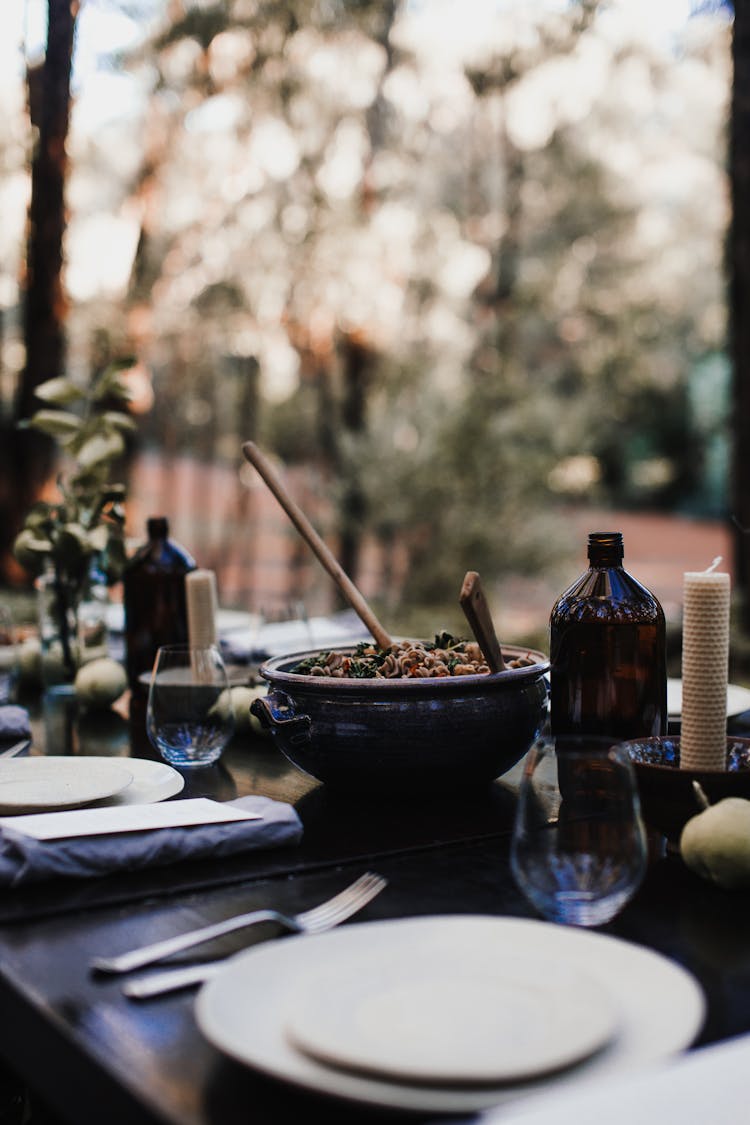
(309, 534)
(477, 611)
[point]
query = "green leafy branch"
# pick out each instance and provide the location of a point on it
(91, 425)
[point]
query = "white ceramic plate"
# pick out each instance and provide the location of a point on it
(152, 781)
(428, 1015)
(738, 699)
(39, 784)
(246, 1009)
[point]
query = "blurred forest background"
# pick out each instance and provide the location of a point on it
(460, 266)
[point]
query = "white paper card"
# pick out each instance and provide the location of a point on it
(125, 818)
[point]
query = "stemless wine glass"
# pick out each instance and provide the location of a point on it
(579, 846)
(8, 656)
(189, 718)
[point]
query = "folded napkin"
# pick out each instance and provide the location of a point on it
(708, 1084)
(24, 859)
(14, 722)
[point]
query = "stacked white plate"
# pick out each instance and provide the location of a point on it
(738, 699)
(450, 1013)
(52, 783)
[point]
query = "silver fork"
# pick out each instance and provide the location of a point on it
(314, 921)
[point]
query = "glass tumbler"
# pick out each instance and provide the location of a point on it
(8, 656)
(189, 717)
(579, 847)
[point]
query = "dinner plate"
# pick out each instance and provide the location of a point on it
(246, 1009)
(429, 1015)
(738, 699)
(39, 784)
(238, 675)
(152, 781)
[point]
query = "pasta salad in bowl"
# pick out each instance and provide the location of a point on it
(418, 714)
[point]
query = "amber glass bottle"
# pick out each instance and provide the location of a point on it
(155, 599)
(608, 651)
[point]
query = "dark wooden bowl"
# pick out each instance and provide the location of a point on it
(668, 799)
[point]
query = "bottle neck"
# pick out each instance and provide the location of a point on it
(157, 529)
(605, 550)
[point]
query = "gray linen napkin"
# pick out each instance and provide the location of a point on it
(25, 860)
(14, 722)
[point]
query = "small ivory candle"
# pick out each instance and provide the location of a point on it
(200, 590)
(705, 662)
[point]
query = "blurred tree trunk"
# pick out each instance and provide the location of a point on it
(358, 367)
(45, 301)
(29, 456)
(358, 356)
(739, 268)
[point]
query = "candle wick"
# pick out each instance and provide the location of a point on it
(714, 564)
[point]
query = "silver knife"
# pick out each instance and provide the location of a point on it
(170, 980)
(16, 749)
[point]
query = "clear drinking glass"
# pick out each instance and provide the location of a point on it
(8, 656)
(579, 846)
(189, 718)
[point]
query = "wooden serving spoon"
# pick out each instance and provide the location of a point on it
(477, 612)
(313, 540)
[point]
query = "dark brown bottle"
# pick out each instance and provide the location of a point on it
(155, 599)
(608, 651)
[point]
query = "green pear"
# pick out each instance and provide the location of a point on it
(239, 699)
(716, 843)
(30, 661)
(100, 682)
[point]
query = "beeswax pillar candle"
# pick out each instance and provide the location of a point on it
(705, 660)
(200, 587)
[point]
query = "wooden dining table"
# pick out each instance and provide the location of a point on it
(87, 1053)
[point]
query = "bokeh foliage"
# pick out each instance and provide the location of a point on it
(469, 280)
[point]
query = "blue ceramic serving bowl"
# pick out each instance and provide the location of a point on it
(369, 734)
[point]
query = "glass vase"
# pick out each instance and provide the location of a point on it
(72, 626)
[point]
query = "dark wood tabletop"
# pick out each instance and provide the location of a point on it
(91, 1055)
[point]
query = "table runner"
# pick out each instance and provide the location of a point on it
(336, 830)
